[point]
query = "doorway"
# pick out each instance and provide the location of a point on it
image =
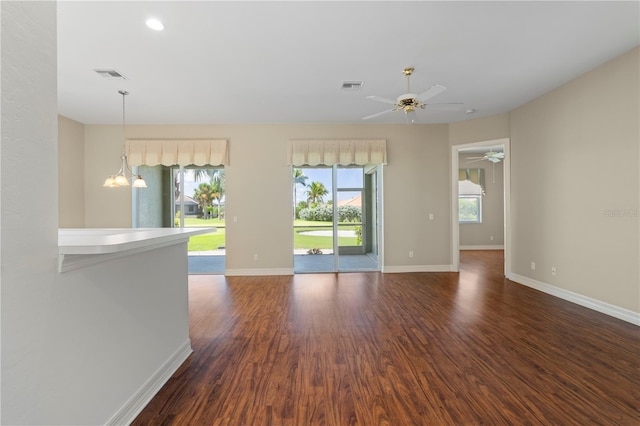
(477, 161)
(336, 224)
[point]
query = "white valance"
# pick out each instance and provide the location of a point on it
(466, 187)
(345, 152)
(181, 152)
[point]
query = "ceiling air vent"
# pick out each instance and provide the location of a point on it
(352, 85)
(110, 74)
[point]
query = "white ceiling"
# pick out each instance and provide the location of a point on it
(284, 62)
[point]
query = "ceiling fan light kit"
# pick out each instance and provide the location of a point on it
(410, 102)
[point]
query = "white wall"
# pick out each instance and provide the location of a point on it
(28, 239)
(575, 185)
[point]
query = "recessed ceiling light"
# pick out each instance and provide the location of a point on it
(155, 24)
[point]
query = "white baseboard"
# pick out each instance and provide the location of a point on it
(417, 268)
(130, 410)
(254, 272)
(481, 247)
(597, 305)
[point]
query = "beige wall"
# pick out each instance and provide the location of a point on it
(415, 186)
(575, 185)
(71, 176)
(259, 182)
(105, 207)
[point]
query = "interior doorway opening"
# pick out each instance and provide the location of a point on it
(480, 195)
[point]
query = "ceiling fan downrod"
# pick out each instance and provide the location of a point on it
(408, 71)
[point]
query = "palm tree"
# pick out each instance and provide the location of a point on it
(204, 195)
(202, 174)
(218, 183)
(316, 193)
(298, 178)
(198, 175)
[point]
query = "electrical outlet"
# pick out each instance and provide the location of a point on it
(554, 271)
(533, 266)
(255, 256)
(411, 253)
(491, 238)
(431, 216)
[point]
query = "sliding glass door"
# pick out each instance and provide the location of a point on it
(335, 209)
(199, 202)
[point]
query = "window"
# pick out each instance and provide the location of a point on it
(470, 209)
(470, 192)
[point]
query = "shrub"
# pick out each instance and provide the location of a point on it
(301, 205)
(349, 214)
(324, 213)
(358, 232)
(318, 214)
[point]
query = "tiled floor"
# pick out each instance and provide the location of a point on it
(302, 263)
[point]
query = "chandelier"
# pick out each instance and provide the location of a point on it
(124, 175)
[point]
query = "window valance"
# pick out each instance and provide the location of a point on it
(181, 152)
(315, 152)
(471, 181)
(474, 175)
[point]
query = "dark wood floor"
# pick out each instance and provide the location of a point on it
(398, 349)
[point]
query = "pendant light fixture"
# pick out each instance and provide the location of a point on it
(125, 174)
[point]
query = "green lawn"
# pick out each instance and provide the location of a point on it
(301, 241)
(217, 239)
(207, 241)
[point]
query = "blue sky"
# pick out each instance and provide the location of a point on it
(322, 175)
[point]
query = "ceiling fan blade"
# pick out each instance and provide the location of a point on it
(475, 160)
(432, 91)
(451, 106)
(379, 99)
(378, 114)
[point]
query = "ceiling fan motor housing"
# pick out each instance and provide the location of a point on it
(409, 102)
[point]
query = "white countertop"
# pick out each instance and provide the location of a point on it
(87, 241)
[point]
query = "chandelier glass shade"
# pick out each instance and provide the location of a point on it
(125, 176)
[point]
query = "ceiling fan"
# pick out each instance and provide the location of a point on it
(409, 102)
(494, 157)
